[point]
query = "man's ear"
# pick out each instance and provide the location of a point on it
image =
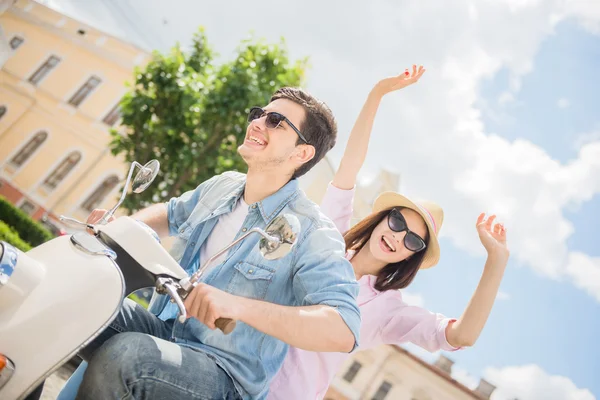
(304, 153)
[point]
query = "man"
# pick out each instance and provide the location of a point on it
(305, 299)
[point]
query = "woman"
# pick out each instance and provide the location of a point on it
(387, 249)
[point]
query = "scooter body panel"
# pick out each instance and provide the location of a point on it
(142, 247)
(44, 324)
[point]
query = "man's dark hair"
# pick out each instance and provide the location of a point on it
(319, 126)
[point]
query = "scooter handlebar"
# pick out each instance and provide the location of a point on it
(226, 325)
(73, 223)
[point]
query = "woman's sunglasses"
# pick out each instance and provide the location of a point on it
(274, 119)
(397, 223)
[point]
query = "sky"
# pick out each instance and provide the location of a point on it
(505, 120)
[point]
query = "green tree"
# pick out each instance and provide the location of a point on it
(190, 113)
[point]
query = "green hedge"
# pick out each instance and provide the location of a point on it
(28, 229)
(10, 236)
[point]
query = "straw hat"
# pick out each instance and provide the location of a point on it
(432, 214)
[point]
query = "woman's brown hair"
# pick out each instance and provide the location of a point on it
(395, 275)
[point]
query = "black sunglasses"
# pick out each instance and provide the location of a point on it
(274, 119)
(397, 223)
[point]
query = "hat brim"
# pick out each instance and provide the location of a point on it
(389, 200)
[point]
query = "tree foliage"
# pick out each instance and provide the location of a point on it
(189, 112)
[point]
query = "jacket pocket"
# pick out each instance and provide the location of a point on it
(250, 280)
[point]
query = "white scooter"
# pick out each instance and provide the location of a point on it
(59, 296)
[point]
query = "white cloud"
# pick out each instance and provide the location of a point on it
(585, 273)
(588, 13)
(586, 138)
(530, 382)
(464, 377)
(502, 295)
(563, 103)
(528, 190)
(506, 98)
(523, 382)
(414, 299)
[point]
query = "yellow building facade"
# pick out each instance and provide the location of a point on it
(391, 372)
(60, 83)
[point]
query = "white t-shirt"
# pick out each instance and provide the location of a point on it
(223, 234)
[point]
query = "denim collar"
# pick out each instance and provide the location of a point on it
(272, 205)
(268, 207)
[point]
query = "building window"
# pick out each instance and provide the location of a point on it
(113, 116)
(383, 390)
(2, 111)
(28, 207)
(16, 41)
(63, 169)
(44, 70)
(25, 153)
(352, 371)
(100, 193)
(84, 91)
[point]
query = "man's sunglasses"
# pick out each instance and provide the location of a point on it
(397, 223)
(274, 119)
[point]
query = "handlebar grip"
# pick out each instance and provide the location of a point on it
(226, 325)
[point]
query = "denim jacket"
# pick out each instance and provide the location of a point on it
(314, 272)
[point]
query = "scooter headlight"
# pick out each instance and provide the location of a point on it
(8, 262)
(7, 368)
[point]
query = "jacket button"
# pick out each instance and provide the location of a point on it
(244, 230)
(254, 206)
(250, 271)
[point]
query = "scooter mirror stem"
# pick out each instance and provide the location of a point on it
(147, 174)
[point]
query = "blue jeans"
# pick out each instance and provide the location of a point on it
(133, 359)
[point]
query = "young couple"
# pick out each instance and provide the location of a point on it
(298, 317)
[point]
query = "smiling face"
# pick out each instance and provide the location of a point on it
(388, 246)
(274, 148)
